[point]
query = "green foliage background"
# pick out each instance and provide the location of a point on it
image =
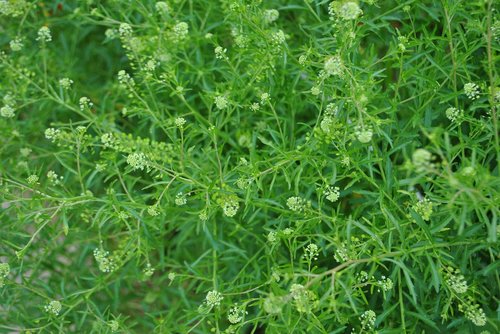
(403, 64)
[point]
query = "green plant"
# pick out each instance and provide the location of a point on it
(249, 166)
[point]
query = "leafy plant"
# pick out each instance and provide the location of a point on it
(249, 166)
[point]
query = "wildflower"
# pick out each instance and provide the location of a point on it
(203, 216)
(229, 204)
(471, 90)
(311, 252)
(179, 122)
(304, 300)
(162, 7)
(171, 276)
(296, 203)
(349, 11)
(180, 30)
(287, 232)
(7, 112)
(455, 280)
(270, 15)
(32, 179)
(114, 325)
(4, 272)
(65, 83)
(54, 178)
(235, 314)
(137, 161)
(108, 140)
(424, 209)
(52, 134)
(243, 182)
(125, 30)
(468, 171)
(332, 193)
(213, 298)
(272, 237)
(85, 103)
(105, 262)
(363, 134)
(180, 199)
(302, 59)
(278, 37)
(385, 283)
(125, 79)
(150, 65)
(473, 312)
(220, 52)
(153, 210)
(148, 270)
(341, 253)
(221, 102)
(421, 159)
(44, 35)
(53, 307)
(316, 90)
(333, 66)
(16, 44)
(273, 304)
(265, 98)
(368, 320)
(453, 114)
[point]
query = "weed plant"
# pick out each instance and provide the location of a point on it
(249, 166)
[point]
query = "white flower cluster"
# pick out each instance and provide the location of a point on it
(368, 320)
(44, 35)
(422, 160)
(105, 262)
(332, 193)
(65, 83)
(137, 161)
(163, 7)
(271, 15)
(148, 271)
(455, 280)
(180, 31)
(333, 66)
(32, 179)
(180, 122)
(311, 252)
(213, 298)
(125, 30)
(363, 133)
(385, 283)
(220, 52)
(236, 314)
(85, 103)
(54, 178)
(16, 44)
(304, 300)
(52, 134)
(473, 312)
(346, 11)
(424, 208)
(296, 203)
(221, 102)
(125, 79)
(180, 199)
(341, 253)
(471, 90)
(54, 307)
(230, 205)
(454, 114)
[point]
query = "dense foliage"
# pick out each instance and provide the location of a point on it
(249, 166)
